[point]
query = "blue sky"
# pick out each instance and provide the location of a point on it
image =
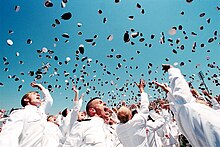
(101, 76)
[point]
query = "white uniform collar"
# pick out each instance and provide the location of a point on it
(31, 107)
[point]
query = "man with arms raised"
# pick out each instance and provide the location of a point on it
(197, 121)
(25, 127)
(132, 129)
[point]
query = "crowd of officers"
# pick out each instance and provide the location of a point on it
(184, 118)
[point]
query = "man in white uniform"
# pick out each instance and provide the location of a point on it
(198, 122)
(90, 133)
(154, 123)
(25, 127)
(71, 116)
(52, 134)
(132, 130)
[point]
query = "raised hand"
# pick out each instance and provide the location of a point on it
(34, 84)
(141, 85)
(123, 103)
(82, 96)
(74, 89)
(162, 86)
(76, 98)
(133, 106)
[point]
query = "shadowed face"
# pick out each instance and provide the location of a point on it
(33, 99)
(99, 108)
(52, 119)
(81, 115)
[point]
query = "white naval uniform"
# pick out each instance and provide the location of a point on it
(25, 127)
(133, 132)
(90, 133)
(111, 136)
(59, 119)
(198, 122)
(52, 135)
(167, 130)
(153, 139)
(71, 118)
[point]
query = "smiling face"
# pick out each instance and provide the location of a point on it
(31, 98)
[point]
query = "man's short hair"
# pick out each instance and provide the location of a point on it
(123, 114)
(23, 103)
(89, 104)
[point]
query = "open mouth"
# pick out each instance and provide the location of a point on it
(106, 109)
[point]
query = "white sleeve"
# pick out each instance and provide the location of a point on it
(71, 118)
(74, 114)
(9, 137)
(77, 105)
(59, 119)
(65, 125)
(75, 137)
(68, 122)
(144, 103)
(179, 87)
(158, 122)
(48, 101)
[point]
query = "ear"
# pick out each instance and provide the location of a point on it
(130, 116)
(26, 100)
(92, 112)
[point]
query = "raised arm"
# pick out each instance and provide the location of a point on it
(47, 99)
(179, 87)
(76, 98)
(144, 97)
(164, 87)
(77, 103)
(72, 117)
(158, 121)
